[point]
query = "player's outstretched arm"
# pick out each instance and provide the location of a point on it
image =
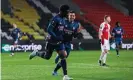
(50, 28)
(51, 25)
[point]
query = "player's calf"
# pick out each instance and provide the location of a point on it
(57, 59)
(33, 54)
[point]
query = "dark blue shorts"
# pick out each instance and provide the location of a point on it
(118, 42)
(59, 47)
(67, 48)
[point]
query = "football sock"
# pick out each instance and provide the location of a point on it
(40, 54)
(57, 59)
(101, 56)
(14, 49)
(64, 66)
(58, 66)
(117, 51)
(104, 58)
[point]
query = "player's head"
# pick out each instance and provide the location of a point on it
(107, 18)
(71, 15)
(14, 25)
(64, 10)
(117, 24)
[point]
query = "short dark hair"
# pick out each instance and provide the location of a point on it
(117, 23)
(106, 16)
(71, 11)
(64, 8)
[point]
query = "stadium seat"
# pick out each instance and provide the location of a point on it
(22, 26)
(95, 10)
(27, 14)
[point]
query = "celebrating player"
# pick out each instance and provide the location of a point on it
(16, 34)
(55, 40)
(117, 33)
(104, 36)
(71, 30)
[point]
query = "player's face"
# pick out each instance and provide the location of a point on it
(119, 24)
(64, 13)
(71, 16)
(14, 25)
(108, 19)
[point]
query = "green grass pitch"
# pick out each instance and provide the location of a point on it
(82, 65)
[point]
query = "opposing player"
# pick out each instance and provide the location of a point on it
(117, 33)
(55, 40)
(104, 36)
(16, 34)
(71, 30)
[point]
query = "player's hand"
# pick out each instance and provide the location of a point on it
(99, 41)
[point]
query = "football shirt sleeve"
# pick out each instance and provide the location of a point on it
(51, 25)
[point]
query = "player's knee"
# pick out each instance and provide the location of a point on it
(62, 56)
(67, 55)
(105, 51)
(47, 57)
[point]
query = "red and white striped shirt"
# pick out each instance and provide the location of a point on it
(105, 28)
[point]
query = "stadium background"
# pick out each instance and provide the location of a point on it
(32, 16)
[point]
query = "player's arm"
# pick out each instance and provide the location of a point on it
(110, 36)
(122, 31)
(78, 30)
(113, 32)
(20, 34)
(50, 28)
(51, 25)
(100, 31)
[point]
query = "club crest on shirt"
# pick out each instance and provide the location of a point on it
(61, 28)
(73, 28)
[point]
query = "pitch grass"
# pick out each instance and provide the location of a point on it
(82, 65)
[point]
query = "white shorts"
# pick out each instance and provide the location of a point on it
(106, 45)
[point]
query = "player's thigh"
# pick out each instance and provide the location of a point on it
(49, 50)
(106, 46)
(61, 50)
(68, 48)
(118, 44)
(15, 41)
